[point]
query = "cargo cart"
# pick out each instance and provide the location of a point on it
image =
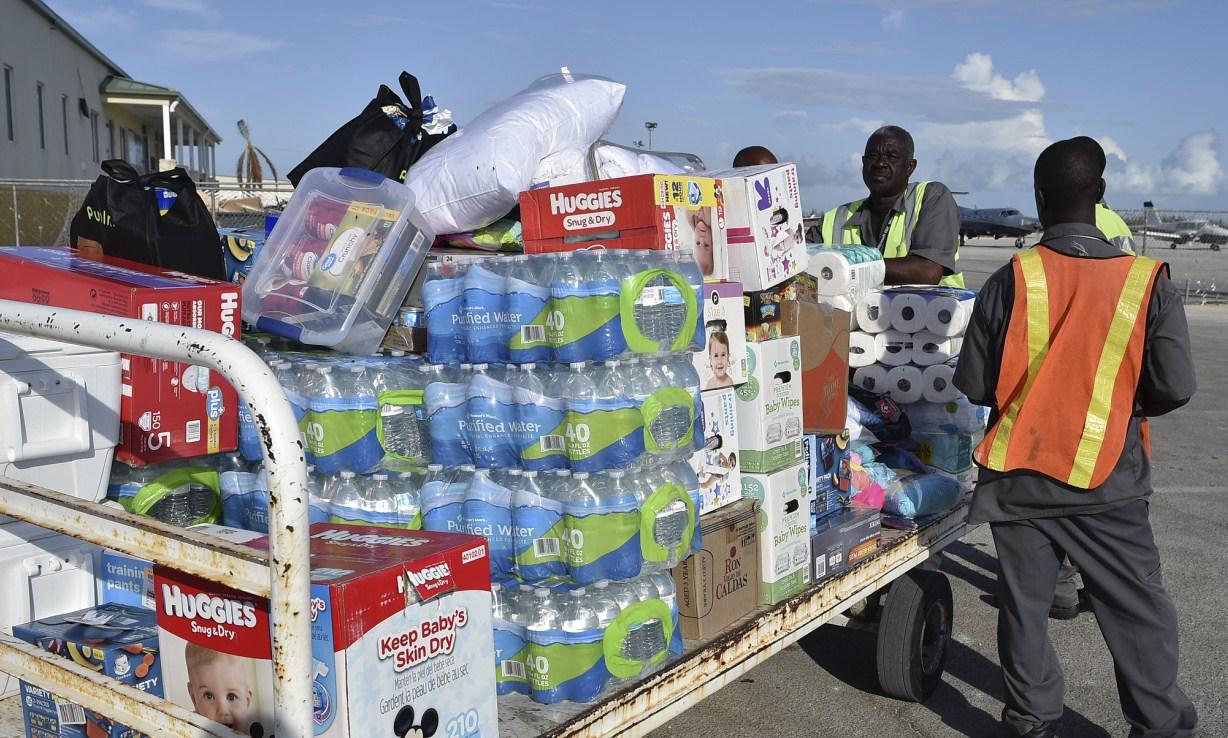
(907, 602)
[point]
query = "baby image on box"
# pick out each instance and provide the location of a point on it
(219, 686)
(718, 358)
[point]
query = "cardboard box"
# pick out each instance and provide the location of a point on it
(828, 474)
(719, 585)
(784, 544)
(400, 620)
(843, 540)
(761, 222)
(118, 641)
(168, 410)
(723, 362)
(770, 407)
(824, 333)
(764, 310)
(720, 481)
(125, 580)
(645, 211)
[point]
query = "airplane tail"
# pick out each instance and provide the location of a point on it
(1149, 214)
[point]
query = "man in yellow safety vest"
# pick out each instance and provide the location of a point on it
(914, 224)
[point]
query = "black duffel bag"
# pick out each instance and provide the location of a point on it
(386, 137)
(157, 219)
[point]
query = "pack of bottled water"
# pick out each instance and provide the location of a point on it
(583, 416)
(180, 493)
(571, 642)
(588, 305)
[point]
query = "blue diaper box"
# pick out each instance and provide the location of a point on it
(828, 474)
(241, 247)
(125, 580)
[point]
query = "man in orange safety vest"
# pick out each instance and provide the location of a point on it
(1073, 345)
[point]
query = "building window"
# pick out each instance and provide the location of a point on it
(64, 118)
(123, 144)
(110, 139)
(94, 132)
(8, 99)
(42, 127)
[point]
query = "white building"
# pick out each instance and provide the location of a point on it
(65, 107)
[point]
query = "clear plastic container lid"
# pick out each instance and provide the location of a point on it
(339, 262)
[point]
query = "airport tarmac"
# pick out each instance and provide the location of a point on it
(826, 686)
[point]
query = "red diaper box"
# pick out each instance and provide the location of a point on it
(402, 640)
(168, 410)
(644, 211)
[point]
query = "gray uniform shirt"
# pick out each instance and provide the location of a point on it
(1165, 383)
(936, 236)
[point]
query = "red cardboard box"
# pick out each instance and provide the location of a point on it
(824, 333)
(168, 410)
(646, 211)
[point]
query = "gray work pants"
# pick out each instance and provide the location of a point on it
(1117, 556)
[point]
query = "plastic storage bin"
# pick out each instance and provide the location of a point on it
(339, 262)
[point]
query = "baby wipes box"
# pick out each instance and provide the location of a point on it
(719, 585)
(770, 406)
(723, 362)
(716, 465)
(644, 211)
(824, 334)
(784, 531)
(401, 631)
(118, 641)
(845, 539)
(760, 219)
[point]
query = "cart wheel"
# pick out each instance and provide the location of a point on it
(1173, 246)
(913, 635)
(1215, 247)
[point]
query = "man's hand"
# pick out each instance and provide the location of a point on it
(913, 269)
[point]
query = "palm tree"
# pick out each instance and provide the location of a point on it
(248, 167)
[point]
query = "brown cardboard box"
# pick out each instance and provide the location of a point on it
(824, 332)
(719, 585)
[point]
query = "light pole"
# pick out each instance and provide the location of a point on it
(651, 126)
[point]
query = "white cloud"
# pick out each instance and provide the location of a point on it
(1194, 166)
(195, 7)
(1112, 148)
(893, 20)
(855, 124)
(216, 45)
(976, 73)
(99, 19)
(1022, 134)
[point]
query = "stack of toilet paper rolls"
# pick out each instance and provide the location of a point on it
(907, 339)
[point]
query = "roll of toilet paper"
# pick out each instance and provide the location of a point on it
(893, 348)
(842, 302)
(947, 315)
(929, 348)
(905, 384)
(872, 313)
(938, 384)
(871, 378)
(847, 270)
(907, 311)
(862, 350)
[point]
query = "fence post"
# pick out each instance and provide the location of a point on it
(16, 220)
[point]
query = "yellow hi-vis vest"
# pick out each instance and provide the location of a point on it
(1114, 228)
(837, 231)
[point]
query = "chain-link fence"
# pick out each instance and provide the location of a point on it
(38, 212)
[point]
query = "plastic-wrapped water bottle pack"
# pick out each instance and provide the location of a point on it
(570, 642)
(588, 305)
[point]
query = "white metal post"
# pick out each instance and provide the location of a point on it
(166, 130)
(283, 460)
(16, 220)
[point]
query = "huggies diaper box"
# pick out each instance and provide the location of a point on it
(168, 410)
(644, 211)
(401, 634)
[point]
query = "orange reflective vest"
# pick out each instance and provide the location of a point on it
(1070, 366)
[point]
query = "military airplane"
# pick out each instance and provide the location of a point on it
(996, 222)
(1176, 232)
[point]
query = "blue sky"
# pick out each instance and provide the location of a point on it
(983, 85)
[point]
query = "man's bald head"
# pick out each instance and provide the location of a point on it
(1068, 180)
(903, 137)
(752, 156)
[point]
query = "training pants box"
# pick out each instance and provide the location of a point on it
(125, 580)
(401, 637)
(784, 529)
(760, 217)
(828, 474)
(770, 406)
(719, 585)
(644, 211)
(723, 362)
(115, 640)
(844, 539)
(168, 410)
(720, 481)
(824, 333)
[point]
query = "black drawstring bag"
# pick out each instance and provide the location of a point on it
(386, 137)
(157, 219)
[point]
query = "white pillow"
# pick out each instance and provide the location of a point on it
(539, 137)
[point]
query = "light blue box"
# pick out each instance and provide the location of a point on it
(125, 580)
